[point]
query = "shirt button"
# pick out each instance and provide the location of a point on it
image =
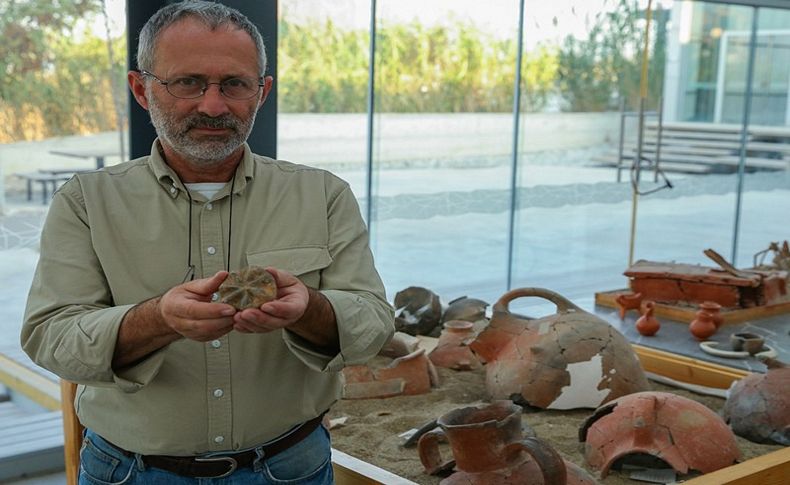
(218, 393)
(219, 439)
(172, 190)
(211, 250)
(216, 344)
(209, 206)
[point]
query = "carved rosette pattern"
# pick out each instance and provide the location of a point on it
(250, 287)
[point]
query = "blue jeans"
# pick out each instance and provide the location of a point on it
(307, 462)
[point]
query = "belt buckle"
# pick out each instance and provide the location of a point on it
(231, 461)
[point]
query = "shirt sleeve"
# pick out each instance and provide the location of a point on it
(365, 320)
(71, 323)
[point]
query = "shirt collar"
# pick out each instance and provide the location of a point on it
(170, 181)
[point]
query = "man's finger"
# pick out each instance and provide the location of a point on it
(198, 310)
(206, 286)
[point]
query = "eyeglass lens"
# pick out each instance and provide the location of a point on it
(192, 87)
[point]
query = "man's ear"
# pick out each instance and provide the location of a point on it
(137, 86)
(268, 82)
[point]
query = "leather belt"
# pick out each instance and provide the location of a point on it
(223, 465)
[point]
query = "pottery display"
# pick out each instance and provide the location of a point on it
(648, 324)
(452, 350)
(465, 308)
(681, 432)
(418, 311)
(714, 309)
(703, 325)
(758, 406)
(570, 359)
(748, 342)
(406, 375)
(250, 287)
(488, 449)
(628, 301)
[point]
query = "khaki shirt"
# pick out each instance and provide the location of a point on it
(118, 236)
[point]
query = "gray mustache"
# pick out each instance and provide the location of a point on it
(225, 121)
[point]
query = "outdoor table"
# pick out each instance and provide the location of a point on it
(97, 154)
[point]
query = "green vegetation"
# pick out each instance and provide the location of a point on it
(596, 73)
(459, 68)
(56, 76)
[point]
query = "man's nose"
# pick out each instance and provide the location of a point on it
(213, 102)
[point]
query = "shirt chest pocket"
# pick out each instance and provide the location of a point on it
(306, 263)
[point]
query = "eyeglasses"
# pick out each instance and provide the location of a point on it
(189, 87)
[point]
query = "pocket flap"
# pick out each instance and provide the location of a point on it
(296, 261)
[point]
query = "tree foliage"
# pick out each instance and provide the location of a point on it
(596, 73)
(419, 68)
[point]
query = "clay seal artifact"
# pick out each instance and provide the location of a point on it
(250, 287)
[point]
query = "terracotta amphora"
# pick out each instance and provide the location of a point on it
(647, 324)
(452, 350)
(714, 309)
(488, 449)
(703, 326)
(567, 360)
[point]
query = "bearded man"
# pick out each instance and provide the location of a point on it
(175, 387)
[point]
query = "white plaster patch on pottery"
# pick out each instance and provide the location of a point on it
(583, 390)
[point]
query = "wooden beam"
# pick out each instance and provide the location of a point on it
(72, 432)
(687, 369)
(352, 471)
(770, 469)
(35, 386)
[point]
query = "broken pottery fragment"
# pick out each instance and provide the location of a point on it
(452, 350)
(758, 406)
(465, 308)
(681, 432)
(250, 287)
(417, 310)
(406, 375)
(489, 449)
(399, 345)
(567, 360)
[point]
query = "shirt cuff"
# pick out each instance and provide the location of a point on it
(363, 326)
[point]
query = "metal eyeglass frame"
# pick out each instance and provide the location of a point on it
(204, 88)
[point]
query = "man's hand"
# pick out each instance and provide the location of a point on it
(300, 309)
(184, 311)
(187, 309)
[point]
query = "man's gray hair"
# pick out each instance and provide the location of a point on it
(210, 13)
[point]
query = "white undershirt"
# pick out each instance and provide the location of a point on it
(207, 189)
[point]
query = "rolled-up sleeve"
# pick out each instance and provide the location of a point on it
(71, 323)
(365, 320)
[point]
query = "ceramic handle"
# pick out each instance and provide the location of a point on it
(430, 456)
(563, 304)
(549, 461)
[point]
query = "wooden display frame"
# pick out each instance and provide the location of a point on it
(769, 469)
(686, 314)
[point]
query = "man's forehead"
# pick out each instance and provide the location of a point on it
(189, 39)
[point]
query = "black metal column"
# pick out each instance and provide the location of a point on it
(263, 14)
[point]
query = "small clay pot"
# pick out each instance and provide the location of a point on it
(703, 326)
(626, 301)
(749, 342)
(715, 311)
(647, 324)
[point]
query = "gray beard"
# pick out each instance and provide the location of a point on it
(205, 152)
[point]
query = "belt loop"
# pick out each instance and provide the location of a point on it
(257, 463)
(138, 458)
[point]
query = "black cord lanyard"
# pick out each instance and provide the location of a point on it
(190, 274)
